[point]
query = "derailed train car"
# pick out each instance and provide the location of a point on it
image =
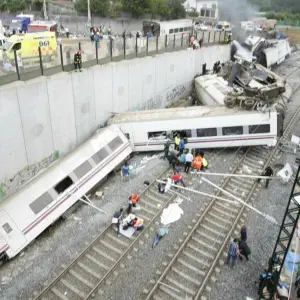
(28, 212)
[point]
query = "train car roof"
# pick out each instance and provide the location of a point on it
(61, 168)
(177, 113)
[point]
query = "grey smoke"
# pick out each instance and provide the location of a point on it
(236, 11)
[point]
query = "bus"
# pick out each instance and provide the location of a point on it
(157, 28)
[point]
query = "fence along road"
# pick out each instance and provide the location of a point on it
(99, 54)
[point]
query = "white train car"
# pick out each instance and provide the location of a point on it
(202, 126)
(28, 212)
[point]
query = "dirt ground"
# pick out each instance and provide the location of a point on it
(293, 33)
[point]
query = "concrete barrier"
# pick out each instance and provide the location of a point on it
(50, 116)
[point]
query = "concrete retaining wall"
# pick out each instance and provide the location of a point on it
(56, 114)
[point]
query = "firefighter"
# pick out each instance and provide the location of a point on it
(77, 61)
(132, 201)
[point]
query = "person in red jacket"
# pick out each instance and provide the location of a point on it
(176, 177)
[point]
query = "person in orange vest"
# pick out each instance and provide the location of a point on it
(197, 163)
(132, 201)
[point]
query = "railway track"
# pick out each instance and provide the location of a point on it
(195, 266)
(98, 262)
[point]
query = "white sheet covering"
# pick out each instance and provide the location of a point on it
(171, 214)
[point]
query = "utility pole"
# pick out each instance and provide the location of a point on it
(89, 12)
(45, 10)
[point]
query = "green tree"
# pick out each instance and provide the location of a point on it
(137, 7)
(177, 9)
(159, 7)
(100, 7)
(13, 5)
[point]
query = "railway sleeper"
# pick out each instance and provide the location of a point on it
(218, 218)
(189, 282)
(236, 191)
(89, 270)
(77, 284)
(191, 268)
(157, 198)
(177, 285)
(204, 244)
(200, 250)
(83, 276)
(57, 294)
(208, 238)
(167, 292)
(117, 240)
(246, 182)
(104, 255)
(111, 247)
(226, 206)
(214, 223)
(222, 213)
(193, 258)
(98, 263)
(210, 231)
(148, 211)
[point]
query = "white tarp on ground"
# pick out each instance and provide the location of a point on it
(171, 214)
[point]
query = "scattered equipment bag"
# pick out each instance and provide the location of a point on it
(285, 173)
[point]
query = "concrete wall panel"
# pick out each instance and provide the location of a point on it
(36, 121)
(148, 77)
(62, 111)
(135, 85)
(84, 104)
(12, 150)
(160, 74)
(60, 94)
(103, 85)
(120, 86)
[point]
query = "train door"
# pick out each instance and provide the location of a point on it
(13, 236)
(127, 131)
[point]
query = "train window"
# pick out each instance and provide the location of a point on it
(41, 202)
(182, 133)
(83, 169)
(263, 128)
(180, 29)
(115, 143)
(7, 228)
(233, 130)
(176, 30)
(63, 185)
(127, 136)
(206, 132)
(186, 29)
(100, 155)
(171, 31)
(157, 135)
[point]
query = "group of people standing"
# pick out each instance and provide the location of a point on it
(238, 248)
(184, 158)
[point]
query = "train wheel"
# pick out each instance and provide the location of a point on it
(229, 102)
(249, 103)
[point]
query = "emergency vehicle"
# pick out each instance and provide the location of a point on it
(41, 26)
(28, 45)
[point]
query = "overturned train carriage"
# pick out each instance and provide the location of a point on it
(28, 212)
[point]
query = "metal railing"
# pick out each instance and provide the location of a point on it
(44, 63)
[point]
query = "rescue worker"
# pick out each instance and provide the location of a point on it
(197, 163)
(176, 177)
(181, 145)
(125, 170)
(117, 218)
(188, 161)
(137, 223)
(177, 141)
(268, 172)
(132, 201)
(204, 161)
(244, 250)
(77, 60)
(166, 149)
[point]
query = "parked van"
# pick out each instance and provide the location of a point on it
(28, 45)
